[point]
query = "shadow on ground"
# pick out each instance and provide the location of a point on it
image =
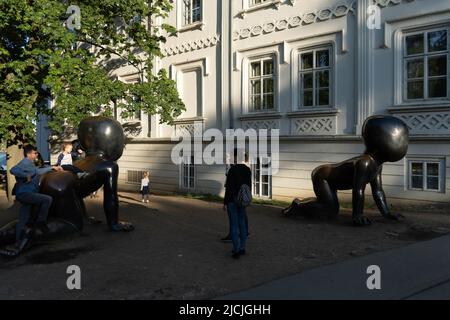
(175, 252)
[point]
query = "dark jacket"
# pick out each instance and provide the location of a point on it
(24, 169)
(238, 175)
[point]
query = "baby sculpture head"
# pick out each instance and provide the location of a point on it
(386, 138)
(101, 136)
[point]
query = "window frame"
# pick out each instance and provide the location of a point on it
(314, 70)
(144, 119)
(188, 163)
(251, 3)
(425, 57)
(191, 21)
(424, 163)
(257, 166)
(262, 77)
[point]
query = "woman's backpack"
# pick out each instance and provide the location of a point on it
(244, 196)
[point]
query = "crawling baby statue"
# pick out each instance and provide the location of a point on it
(386, 139)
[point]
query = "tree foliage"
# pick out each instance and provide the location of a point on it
(42, 59)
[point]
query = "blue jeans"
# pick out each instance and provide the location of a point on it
(145, 192)
(238, 226)
(28, 200)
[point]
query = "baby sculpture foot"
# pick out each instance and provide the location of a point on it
(287, 211)
(121, 226)
(14, 251)
(361, 221)
(10, 251)
(93, 220)
(292, 209)
(396, 216)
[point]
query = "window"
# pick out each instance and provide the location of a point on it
(425, 175)
(262, 85)
(256, 2)
(426, 57)
(135, 116)
(135, 176)
(262, 177)
(192, 11)
(315, 74)
(188, 173)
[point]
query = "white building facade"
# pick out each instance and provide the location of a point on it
(315, 70)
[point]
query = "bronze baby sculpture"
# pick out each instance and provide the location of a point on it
(103, 141)
(386, 139)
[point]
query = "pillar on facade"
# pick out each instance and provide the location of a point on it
(365, 64)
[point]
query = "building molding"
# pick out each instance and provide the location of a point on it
(313, 112)
(191, 46)
(392, 27)
(267, 4)
(305, 138)
(202, 66)
(365, 66)
(189, 126)
(314, 125)
(419, 108)
(385, 3)
(328, 13)
(422, 120)
(267, 124)
(261, 115)
(202, 63)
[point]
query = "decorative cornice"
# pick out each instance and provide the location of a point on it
(385, 3)
(190, 46)
(275, 3)
(307, 18)
(302, 19)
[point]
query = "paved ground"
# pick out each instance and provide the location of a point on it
(419, 271)
(174, 253)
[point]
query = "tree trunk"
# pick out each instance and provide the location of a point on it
(14, 156)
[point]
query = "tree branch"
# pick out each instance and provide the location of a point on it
(112, 51)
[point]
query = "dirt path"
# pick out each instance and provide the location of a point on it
(175, 252)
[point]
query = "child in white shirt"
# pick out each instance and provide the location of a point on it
(145, 187)
(66, 162)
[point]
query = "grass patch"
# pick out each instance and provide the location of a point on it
(216, 198)
(271, 202)
(266, 202)
(203, 197)
(345, 205)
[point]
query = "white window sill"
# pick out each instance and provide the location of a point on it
(188, 120)
(260, 6)
(272, 114)
(314, 112)
(418, 107)
(426, 190)
(196, 25)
